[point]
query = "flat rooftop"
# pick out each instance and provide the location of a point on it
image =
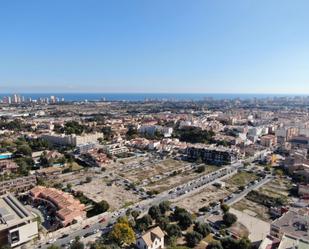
(294, 224)
(12, 212)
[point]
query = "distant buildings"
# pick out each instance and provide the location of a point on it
(269, 141)
(115, 149)
(17, 224)
(18, 99)
(151, 130)
(72, 140)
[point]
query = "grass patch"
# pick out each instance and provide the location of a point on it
(241, 178)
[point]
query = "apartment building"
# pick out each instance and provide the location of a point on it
(17, 225)
(269, 141)
(115, 149)
(294, 224)
(72, 140)
(213, 155)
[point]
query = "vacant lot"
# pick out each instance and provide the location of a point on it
(115, 195)
(240, 179)
(253, 209)
(194, 202)
(257, 228)
(173, 181)
(277, 188)
(150, 170)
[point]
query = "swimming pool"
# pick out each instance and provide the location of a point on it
(5, 156)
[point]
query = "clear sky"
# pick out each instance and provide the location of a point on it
(211, 46)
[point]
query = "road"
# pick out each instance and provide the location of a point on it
(236, 197)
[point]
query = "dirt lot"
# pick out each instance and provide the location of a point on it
(149, 170)
(252, 209)
(194, 202)
(176, 180)
(278, 188)
(116, 196)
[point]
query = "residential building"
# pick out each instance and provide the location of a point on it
(152, 239)
(294, 224)
(17, 224)
(115, 149)
(67, 209)
(73, 139)
(269, 141)
(152, 129)
(7, 167)
(213, 155)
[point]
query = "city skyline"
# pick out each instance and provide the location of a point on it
(154, 47)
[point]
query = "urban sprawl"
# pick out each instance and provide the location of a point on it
(209, 174)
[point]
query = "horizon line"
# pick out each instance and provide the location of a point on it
(200, 93)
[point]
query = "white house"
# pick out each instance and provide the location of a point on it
(153, 239)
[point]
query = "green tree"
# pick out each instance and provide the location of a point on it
(77, 244)
(143, 223)
(225, 208)
(229, 219)
(44, 160)
(154, 212)
(185, 220)
(201, 169)
(52, 247)
(101, 207)
(193, 238)
(202, 228)
(173, 230)
(164, 206)
(73, 127)
(24, 150)
(135, 214)
(163, 222)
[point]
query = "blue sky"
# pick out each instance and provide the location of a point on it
(189, 46)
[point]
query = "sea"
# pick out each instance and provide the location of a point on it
(147, 96)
